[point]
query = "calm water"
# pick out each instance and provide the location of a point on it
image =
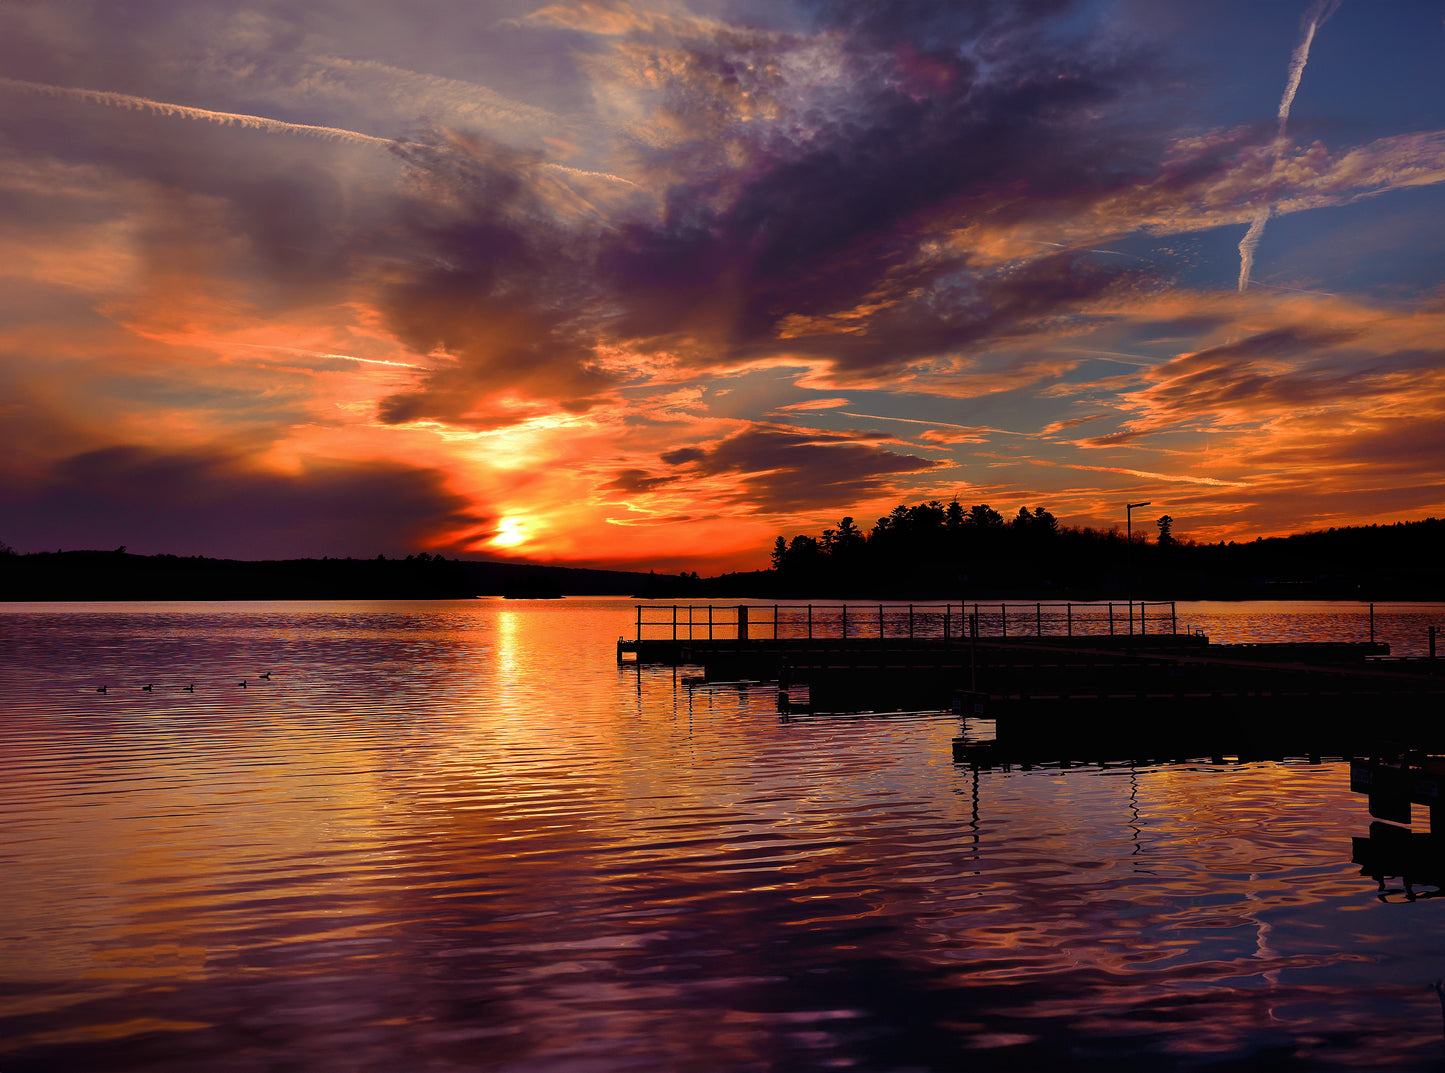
(457, 836)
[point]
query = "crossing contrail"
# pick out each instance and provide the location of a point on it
(167, 108)
(1314, 17)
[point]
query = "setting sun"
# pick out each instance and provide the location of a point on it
(510, 533)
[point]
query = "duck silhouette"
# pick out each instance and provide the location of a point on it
(146, 688)
(266, 676)
(101, 689)
(242, 684)
(189, 689)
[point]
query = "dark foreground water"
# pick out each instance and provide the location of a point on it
(457, 836)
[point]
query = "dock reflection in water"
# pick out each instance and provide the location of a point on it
(458, 837)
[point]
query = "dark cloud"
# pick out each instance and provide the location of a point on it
(635, 480)
(770, 231)
(826, 222)
(212, 502)
(1400, 449)
(506, 294)
(1267, 373)
(781, 469)
(1280, 343)
(928, 24)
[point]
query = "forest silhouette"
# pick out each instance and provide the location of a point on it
(946, 550)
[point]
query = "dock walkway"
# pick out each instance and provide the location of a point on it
(1072, 678)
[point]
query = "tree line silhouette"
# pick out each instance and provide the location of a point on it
(947, 550)
(927, 551)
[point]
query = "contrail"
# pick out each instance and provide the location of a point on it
(606, 175)
(1248, 243)
(167, 108)
(311, 353)
(1179, 477)
(1314, 17)
(241, 119)
(935, 424)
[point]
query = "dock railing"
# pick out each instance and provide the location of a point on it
(894, 621)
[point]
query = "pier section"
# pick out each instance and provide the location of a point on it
(1057, 682)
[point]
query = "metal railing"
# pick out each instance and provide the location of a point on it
(947, 621)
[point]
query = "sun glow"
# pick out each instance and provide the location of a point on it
(510, 532)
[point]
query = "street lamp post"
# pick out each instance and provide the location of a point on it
(1129, 557)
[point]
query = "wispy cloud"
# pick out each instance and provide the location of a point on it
(184, 111)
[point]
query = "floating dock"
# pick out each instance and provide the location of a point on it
(1062, 681)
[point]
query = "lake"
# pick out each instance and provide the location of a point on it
(456, 835)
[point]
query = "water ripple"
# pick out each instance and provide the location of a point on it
(458, 836)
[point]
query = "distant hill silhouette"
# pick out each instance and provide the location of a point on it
(117, 575)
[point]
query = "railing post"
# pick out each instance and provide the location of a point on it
(742, 622)
(910, 622)
(972, 649)
(1111, 618)
(947, 611)
(1173, 617)
(1143, 617)
(775, 622)
(880, 622)
(1003, 619)
(709, 622)
(1372, 623)
(810, 622)
(1432, 642)
(1069, 619)
(639, 622)
(845, 622)
(674, 622)
(1038, 620)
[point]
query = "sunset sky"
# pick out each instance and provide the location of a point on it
(648, 284)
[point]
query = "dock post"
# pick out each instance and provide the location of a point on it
(845, 622)
(1111, 618)
(1143, 617)
(775, 622)
(910, 622)
(973, 652)
(1069, 615)
(1432, 642)
(709, 622)
(639, 622)
(1038, 620)
(947, 614)
(880, 622)
(1173, 617)
(742, 622)
(674, 622)
(810, 622)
